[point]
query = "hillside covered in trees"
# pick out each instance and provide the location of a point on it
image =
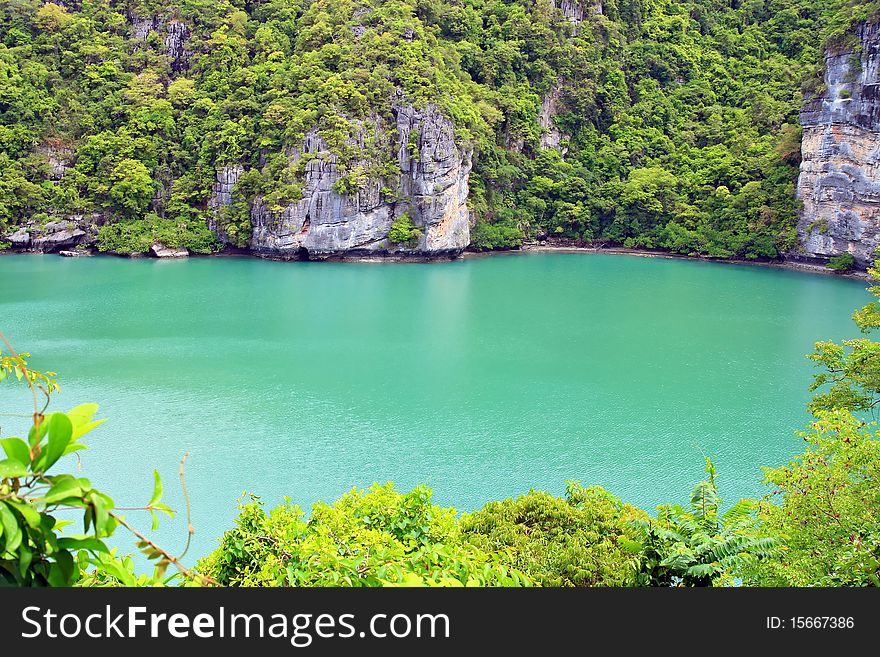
(644, 123)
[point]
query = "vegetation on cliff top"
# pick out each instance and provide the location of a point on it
(678, 119)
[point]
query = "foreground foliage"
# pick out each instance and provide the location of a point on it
(699, 546)
(851, 369)
(571, 541)
(38, 545)
(377, 537)
(829, 512)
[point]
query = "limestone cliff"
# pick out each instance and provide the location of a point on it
(552, 136)
(173, 33)
(839, 181)
(431, 189)
(577, 10)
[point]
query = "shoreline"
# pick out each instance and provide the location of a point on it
(791, 265)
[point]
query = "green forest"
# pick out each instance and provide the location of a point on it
(677, 122)
(817, 525)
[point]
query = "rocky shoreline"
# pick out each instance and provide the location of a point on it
(162, 252)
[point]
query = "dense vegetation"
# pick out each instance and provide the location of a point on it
(678, 120)
(819, 526)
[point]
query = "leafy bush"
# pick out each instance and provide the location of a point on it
(851, 380)
(558, 542)
(828, 509)
(842, 262)
(137, 236)
(487, 236)
(377, 537)
(404, 232)
(125, 237)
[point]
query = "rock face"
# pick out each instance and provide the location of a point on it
(57, 157)
(176, 36)
(328, 221)
(173, 33)
(550, 106)
(839, 181)
(221, 196)
(577, 10)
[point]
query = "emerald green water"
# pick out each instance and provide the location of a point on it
(481, 378)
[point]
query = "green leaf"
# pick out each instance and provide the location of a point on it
(73, 447)
(81, 414)
(34, 437)
(10, 528)
(12, 468)
(17, 449)
(157, 489)
(25, 556)
(82, 543)
(114, 568)
(62, 490)
(65, 574)
(705, 501)
(164, 508)
(80, 418)
(101, 513)
(740, 513)
(60, 433)
(31, 516)
(702, 570)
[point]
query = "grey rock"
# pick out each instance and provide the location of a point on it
(60, 239)
(142, 26)
(176, 36)
(161, 251)
(59, 235)
(577, 10)
(221, 196)
(432, 189)
(552, 136)
(839, 180)
(57, 157)
(20, 239)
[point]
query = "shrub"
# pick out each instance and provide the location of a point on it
(376, 537)
(491, 237)
(842, 262)
(404, 232)
(558, 542)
